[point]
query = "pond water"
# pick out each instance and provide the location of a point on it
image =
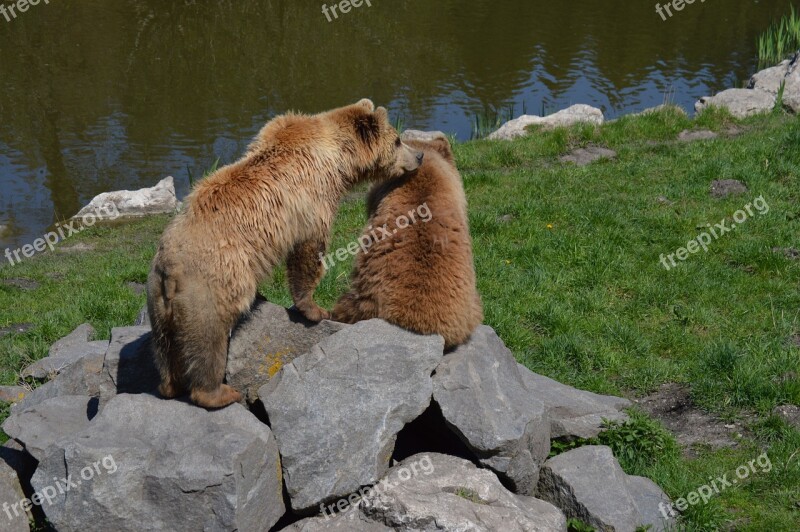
(102, 95)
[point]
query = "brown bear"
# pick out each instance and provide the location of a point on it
(277, 202)
(416, 267)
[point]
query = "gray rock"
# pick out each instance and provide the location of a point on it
(12, 394)
(664, 107)
(722, 188)
(143, 319)
(454, 495)
(14, 455)
(741, 103)
(40, 426)
(23, 284)
(146, 464)
(485, 402)
(586, 156)
(770, 79)
(13, 518)
(84, 377)
(336, 410)
(791, 91)
(348, 521)
(414, 134)
(66, 352)
(573, 413)
(268, 339)
(588, 484)
(694, 135)
(129, 361)
(576, 114)
(652, 504)
(18, 328)
(159, 199)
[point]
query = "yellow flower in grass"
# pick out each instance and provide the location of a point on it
(549, 226)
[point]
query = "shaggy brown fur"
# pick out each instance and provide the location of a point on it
(420, 277)
(277, 202)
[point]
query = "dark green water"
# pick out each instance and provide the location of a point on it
(99, 95)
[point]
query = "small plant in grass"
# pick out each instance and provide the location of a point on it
(639, 442)
(491, 119)
(780, 40)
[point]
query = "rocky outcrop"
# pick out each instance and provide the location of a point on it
(149, 464)
(266, 340)
(13, 517)
(573, 413)
(786, 74)
(741, 103)
(588, 484)
(454, 495)
(40, 426)
(340, 404)
(66, 352)
(576, 114)
(485, 402)
(336, 411)
(159, 199)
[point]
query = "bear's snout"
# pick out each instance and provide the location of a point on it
(420, 156)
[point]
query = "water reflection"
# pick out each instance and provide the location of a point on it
(109, 94)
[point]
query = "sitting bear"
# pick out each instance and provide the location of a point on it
(417, 271)
(277, 202)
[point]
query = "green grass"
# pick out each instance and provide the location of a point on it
(780, 40)
(573, 284)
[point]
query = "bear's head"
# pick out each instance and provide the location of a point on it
(439, 144)
(371, 138)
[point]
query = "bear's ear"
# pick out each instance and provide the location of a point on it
(368, 126)
(367, 104)
(442, 145)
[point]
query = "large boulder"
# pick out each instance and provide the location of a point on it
(66, 352)
(576, 114)
(485, 402)
(159, 199)
(336, 410)
(787, 74)
(454, 495)
(13, 517)
(146, 464)
(741, 103)
(41, 425)
(266, 340)
(85, 377)
(588, 484)
(573, 413)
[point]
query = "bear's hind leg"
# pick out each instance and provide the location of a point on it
(204, 347)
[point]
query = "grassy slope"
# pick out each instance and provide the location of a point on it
(573, 284)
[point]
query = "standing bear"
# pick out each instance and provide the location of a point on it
(277, 202)
(417, 269)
